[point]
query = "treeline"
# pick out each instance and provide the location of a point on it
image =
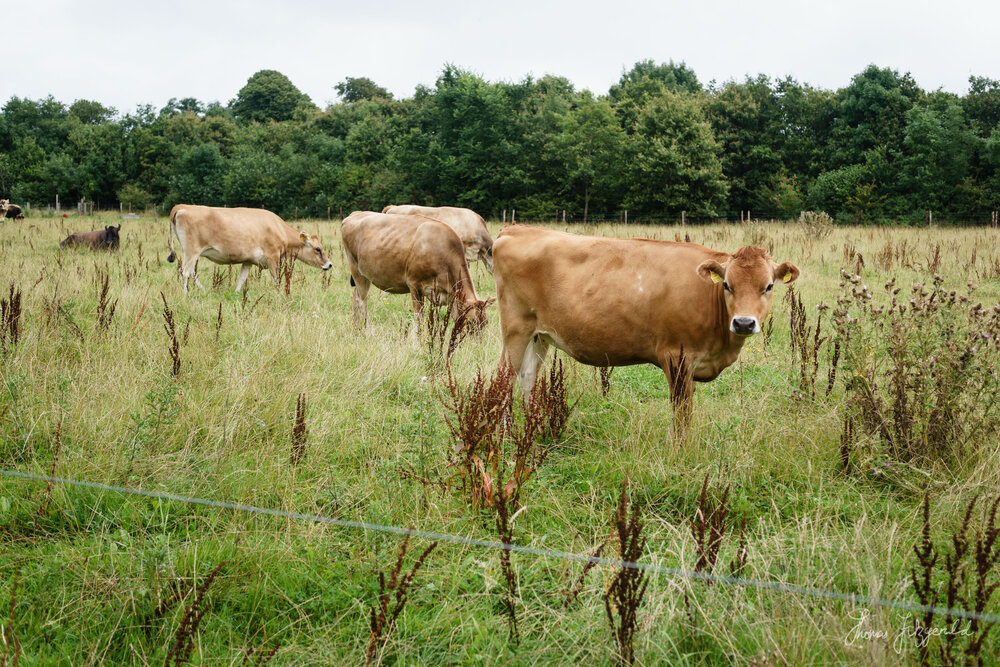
(658, 143)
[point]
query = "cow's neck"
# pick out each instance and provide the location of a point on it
(293, 242)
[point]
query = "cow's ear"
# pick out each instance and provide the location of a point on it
(711, 271)
(304, 237)
(490, 301)
(786, 272)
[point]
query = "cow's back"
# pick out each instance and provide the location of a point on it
(468, 224)
(235, 232)
(392, 250)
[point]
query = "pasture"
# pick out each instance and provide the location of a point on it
(90, 576)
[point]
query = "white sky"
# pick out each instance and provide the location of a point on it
(123, 54)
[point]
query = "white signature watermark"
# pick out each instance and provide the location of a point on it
(907, 635)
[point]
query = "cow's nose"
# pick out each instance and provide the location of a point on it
(328, 266)
(744, 326)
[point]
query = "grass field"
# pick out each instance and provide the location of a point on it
(103, 577)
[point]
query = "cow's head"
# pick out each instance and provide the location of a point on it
(312, 253)
(476, 316)
(111, 238)
(747, 281)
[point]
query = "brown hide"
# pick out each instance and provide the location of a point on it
(247, 236)
(468, 224)
(100, 239)
(617, 302)
(411, 254)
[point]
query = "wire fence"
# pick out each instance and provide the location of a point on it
(780, 587)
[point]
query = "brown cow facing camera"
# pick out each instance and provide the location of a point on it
(618, 302)
(101, 239)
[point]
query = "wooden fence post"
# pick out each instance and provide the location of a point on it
(683, 222)
(626, 216)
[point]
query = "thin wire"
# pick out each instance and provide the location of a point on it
(516, 548)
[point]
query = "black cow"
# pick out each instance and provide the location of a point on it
(8, 210)
(102, 239)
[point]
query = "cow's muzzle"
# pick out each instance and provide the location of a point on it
(327, 266)
(744, 326)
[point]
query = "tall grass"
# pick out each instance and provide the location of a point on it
(96, 564)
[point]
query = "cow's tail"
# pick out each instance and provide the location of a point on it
(171, 230)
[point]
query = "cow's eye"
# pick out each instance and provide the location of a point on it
(319, 253)
(769, 288)
(725, 286)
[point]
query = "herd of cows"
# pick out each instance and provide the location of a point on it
(604, 301)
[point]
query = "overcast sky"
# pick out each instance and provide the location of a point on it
(123, 54)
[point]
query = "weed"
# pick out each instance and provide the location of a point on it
(574, 590)
(708, 528)
(628, 586)
(383, 618)
(191, 619)
(549, 402)
(43, 507)
(604, 373)
(502, 504)
(105, 307)
(922, 377)
(218, 323)
(805, 343)
(10, 319)
(480, 415)
(11, 643)
(171, 329)
(969, 578)
(299, 432)
(262, 657)
(816, 225)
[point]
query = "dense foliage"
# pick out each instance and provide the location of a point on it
(657, 144)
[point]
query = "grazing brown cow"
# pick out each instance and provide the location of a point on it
(468, 224)
(8, 210)
(247, 236)
(411, 254)
(618, 302)
(101, 239)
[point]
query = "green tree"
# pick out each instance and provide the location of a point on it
(589, 144)
(91, 113)
(674, 160)
(198, 176)
(269, 95)
(938, 146)
(647, 80)
(871, 112)
(356, 89)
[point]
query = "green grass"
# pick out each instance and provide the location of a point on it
(92, 569)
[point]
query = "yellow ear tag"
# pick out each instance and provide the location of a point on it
(787, 278)
(716, 278)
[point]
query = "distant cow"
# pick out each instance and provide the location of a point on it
(8, 210)
(618, 302)
(412, 254)
(247, 236)
(101, 239)
(468, 224)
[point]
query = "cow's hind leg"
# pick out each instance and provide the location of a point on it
(187, 268)
(244, 272)
(359, 300)
(526, 354)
